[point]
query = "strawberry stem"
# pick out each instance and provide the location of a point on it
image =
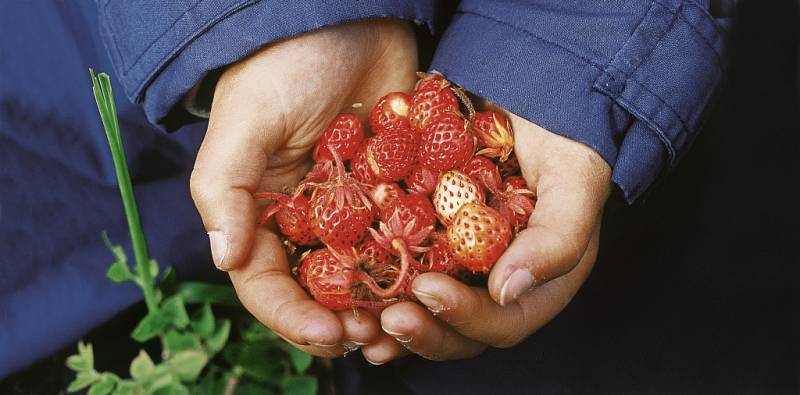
(395, 288)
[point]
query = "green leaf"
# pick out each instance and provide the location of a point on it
(76, 363)
(172, 389)
(152, 325)
(174, 312)
(175, 341)
(83, 360)
(300, 360)
(220, 337)
(126, 388)
(169, 280)
(153, 267)
(199, 292)
(252, 389)
(87, 352)
(261, 362)
(83, 380)
(211, 384)
(119, 272)
(142, 366)
(300, 385)
(203, 324)
(104, 386)
(163, 379)
(188, 364)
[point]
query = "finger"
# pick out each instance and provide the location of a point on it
(383, 349)
(269, 292)
(229, 167)
(471, 311)
(570, 196)
(360, 328)
(420, 332)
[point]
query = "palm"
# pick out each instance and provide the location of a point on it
(267, 114)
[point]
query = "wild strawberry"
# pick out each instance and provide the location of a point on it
(341, 211)
(411, 207)
(509, 167)
(494, 133)
(391, 155)
(438, 257)
(401, 240)
(344, 134)
(483, 170)
(446, 143)
(514, 201)
(431, 98)
(371, 250)
(384, 194)
(328, 278)
(390, 113)
(422, 180)
(360, 168)
(293, 216)
(478, 236)
(453, 191)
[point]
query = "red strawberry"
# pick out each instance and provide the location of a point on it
(384, 194)
(292, 215)
(410, 207)
(431, 98)
(514, 201)
(341, 211)
(344, 134)
(422, 180)
(494, 133)
(390, 113)
(483, 170)
(371, 250)
(453, 191)
(400, 240)
(328, 278)
(391, 155)
(478, 236)
(446, 143)
(438, 257)
(360, 167)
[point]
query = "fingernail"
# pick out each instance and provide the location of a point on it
(401, 337)
(374, 363)
(323, 345)
(518, 282)
(433, 304)
(219, 248)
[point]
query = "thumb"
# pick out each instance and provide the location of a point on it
(229, 168)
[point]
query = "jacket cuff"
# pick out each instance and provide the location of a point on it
(159, 59)
(638, 110)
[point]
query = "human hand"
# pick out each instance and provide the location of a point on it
(553, 255)
(268, 112)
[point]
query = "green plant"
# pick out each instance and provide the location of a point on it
(201, 352)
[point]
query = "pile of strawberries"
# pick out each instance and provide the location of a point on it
(431, 190)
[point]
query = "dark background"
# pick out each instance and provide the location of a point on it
(695, 290)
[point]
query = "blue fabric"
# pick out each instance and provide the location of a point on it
(630, 79)
(57, 185)
(161, 50)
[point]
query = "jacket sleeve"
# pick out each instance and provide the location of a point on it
(629, 78)
(160, 50)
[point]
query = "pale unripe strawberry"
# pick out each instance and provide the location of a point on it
(454, 190)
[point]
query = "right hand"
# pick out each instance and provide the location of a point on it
(268, 112)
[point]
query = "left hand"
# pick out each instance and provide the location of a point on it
(535, 278)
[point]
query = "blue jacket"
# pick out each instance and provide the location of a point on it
(631, 79)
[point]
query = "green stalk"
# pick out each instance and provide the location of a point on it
(101, 86)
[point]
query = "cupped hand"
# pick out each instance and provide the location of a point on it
(268, 111)
(535, 278)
